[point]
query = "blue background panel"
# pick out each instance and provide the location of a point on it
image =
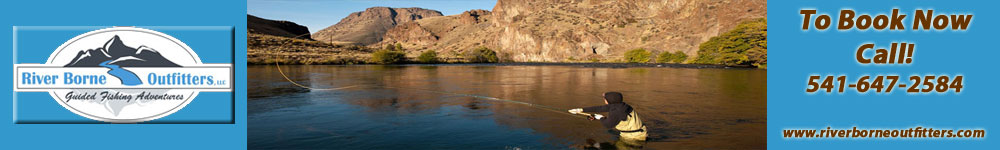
(36, 43)
(796, 54)
(152, 14)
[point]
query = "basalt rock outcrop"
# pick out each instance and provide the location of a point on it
(567, 30)
(369, 26)
(257, 25)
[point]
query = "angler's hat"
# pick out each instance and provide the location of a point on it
(613, 97)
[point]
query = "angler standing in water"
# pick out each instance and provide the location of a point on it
(621, 117)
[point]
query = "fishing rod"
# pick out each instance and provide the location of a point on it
(276, 64)
(543, 107)
(307, 87)
(595, 116)
(538, 106)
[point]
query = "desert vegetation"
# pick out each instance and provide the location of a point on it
(429, 56)
(388, 56)
(482, 55)
(268, 49)
(667, 57)
(638, 55)
(744, 45)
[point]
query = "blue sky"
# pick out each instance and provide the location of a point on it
(319, 14)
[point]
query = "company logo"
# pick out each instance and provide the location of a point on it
(123, 75)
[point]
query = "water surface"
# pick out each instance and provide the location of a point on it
(443, 107)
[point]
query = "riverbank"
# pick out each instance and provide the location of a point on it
(586, 65)
(268, 50)
(596, 65)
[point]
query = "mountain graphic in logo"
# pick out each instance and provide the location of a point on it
(115, 55)
(159, 74)
(120, 55)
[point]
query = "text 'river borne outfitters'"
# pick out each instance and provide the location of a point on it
(123, 75)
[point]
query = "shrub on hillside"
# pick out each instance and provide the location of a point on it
(637, 56)
(678, 57)
(482, 55)
(664, 57)
(429, 56)
(744, 45)
(386, 56)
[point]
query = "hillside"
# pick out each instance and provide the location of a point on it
(368, 26)
(265, 49)
(573, 30)
(290, 29)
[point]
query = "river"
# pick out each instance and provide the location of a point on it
(450, 106)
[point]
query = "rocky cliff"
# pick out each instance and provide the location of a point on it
(270, 42)
(369, 26)
(257, 25)
(571, 30)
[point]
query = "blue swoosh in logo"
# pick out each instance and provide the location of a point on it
(127, 77)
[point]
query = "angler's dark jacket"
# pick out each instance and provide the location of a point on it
(620, 117)
(617, 112)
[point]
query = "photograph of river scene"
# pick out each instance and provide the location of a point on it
(507, 74)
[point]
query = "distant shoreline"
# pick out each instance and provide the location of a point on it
(588, 65)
